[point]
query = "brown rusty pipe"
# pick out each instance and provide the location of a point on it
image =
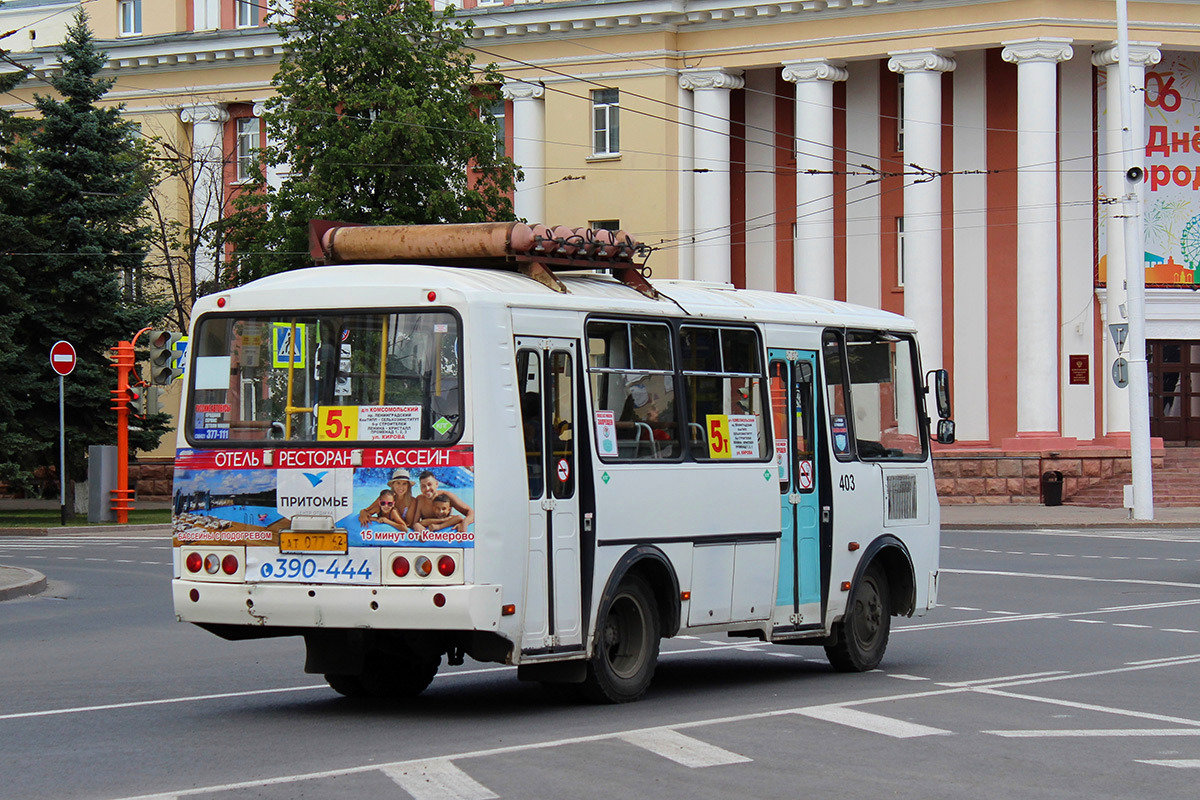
(426, 242)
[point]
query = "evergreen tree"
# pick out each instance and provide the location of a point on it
(15, 388)
(88, 183)
(377, 117)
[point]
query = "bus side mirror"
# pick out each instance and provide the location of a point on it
(941, 391)
(945, 431)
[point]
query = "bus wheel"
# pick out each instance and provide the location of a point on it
(862, 635)
(626, 650)
(388, 675)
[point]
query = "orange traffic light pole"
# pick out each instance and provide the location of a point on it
(125, 364)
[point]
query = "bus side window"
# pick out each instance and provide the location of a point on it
(529, 379)
(833, 353)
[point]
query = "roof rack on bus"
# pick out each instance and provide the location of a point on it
(535, 251)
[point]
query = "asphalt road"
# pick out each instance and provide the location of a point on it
(1061, 665)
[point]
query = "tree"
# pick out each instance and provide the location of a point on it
(376, 119)
(16, 387)
(88, 184)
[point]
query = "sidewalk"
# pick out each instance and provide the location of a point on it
(1026, 517)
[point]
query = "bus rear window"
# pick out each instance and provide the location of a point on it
(328, 377)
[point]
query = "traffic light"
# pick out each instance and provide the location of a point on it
(135, 402)
(162, 356)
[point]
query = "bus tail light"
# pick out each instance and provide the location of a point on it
(423, 566)
(399, 566)
(446, 566)
(194, 562)
(229, 564)
(212, 563)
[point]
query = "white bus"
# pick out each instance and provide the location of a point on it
(482, 456)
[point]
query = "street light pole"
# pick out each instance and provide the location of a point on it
(1135, 284)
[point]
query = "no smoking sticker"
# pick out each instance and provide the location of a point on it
(804, 477)
(564, 470)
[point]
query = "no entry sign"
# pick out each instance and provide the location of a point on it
(62, 357)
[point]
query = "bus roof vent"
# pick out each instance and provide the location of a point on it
(532, 250)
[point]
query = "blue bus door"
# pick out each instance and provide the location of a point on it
(793, 402)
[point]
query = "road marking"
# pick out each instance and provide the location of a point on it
(903, 677)
(438, 779)
(874, 723)
(682, 749)
(1128, 625)
(1135, 581)
(965, 608)
(1089, 621)
(1120, 712)
(1177, 630)
(1085, 733)
(979, 681)
(1178, 763)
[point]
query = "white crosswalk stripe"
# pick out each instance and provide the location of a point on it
(682, 749)
(874, 723)
(438, 779)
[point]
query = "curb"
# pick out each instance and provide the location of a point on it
(1131, 525)
(28, 582)
(102, 529)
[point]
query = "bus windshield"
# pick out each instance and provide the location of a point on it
(327, 376)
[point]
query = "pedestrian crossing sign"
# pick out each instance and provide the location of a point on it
(286, 352)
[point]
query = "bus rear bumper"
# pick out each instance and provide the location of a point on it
(466, 608)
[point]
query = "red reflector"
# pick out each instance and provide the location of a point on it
(845, 586)
(194, 562)
(423, 566)
(194, 594)
(399, 566)
(446, 566)
(220, 302)
(229, 564)
(853, 546)
(508, 610)
(439, 599)
(432, 296)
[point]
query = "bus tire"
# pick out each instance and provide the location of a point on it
(389, 676)
(862, 635)
(626, 650)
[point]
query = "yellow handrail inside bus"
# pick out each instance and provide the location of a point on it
(383, 349)
(288, 410)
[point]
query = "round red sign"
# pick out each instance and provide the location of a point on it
(62, 357)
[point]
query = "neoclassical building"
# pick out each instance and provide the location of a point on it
(957, 161)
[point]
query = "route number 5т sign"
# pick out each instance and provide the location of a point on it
(337, 423)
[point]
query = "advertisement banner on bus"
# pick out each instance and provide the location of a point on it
(378, 497)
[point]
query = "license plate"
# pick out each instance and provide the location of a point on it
(360, 566)
(312, 542)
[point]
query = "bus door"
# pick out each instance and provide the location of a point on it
(546, 374)
(793, 402)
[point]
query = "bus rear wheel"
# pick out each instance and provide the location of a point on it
(392, 676)
(626, 649)
(862, 635)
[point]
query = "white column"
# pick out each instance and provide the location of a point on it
(922, 119)
(1141, 55)
(529, 148)
(710, 97)
(275, 174)
(863, 278)
(760, 179)
(687, 187)
(814, 79)
(208, 180)
(1037, 232)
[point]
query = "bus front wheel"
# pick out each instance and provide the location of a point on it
(862, 635)
(626, 650)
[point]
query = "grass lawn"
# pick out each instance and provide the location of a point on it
(49, 518)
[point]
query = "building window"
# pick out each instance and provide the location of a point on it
(247, 147)
(495, 114)
(131, 17)
(606, 125)
(613, 225)
(900, 252)
(247, 13)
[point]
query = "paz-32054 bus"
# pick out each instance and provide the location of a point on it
(441, 444)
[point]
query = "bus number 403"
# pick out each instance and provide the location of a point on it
(846, 484)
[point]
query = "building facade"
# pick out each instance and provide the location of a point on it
(957, 161)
